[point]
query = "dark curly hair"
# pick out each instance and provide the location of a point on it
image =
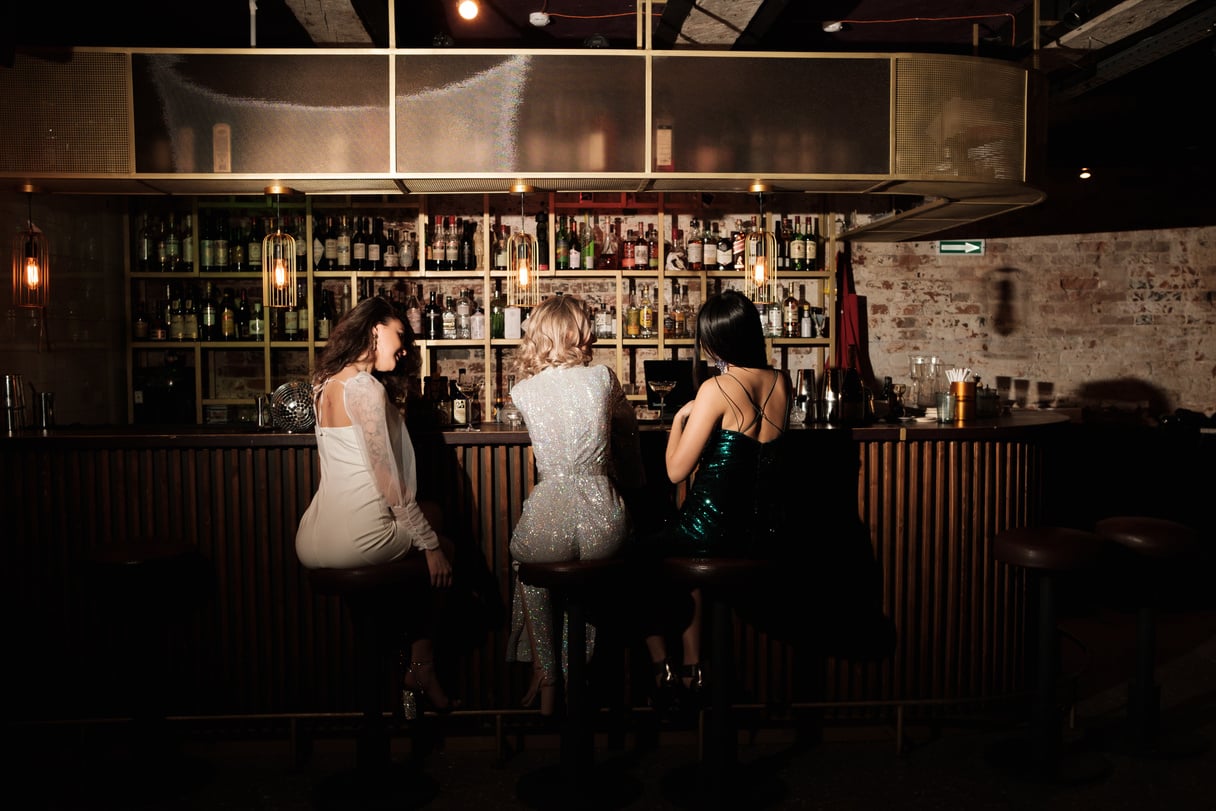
(351, 339)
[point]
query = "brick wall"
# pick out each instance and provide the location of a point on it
(1108, 321)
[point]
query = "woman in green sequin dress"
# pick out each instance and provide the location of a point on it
(731, 435)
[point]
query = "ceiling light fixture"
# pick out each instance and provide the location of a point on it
(523, 288)
(1085, 173)
(31, 263)
(468, 9)
(760, 282)
(278, 260)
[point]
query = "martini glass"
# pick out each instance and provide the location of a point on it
(662, 388)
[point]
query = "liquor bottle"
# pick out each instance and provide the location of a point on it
(499, 248)
(343, 237)
(173, 245)
(158, 327)
(738, 247)
(806, 324)
(208, 327)
(185, 260)
(460, 403)
(177, 318)
(591, 242)
(852, 391)
(291, 323)
(686, 316)
(791, 314)
(373, 257)
(237, 246)
(329, 241)
(390, 257)
(305, 324)
(628, 254)
(448, 319)
(227, 310)
(561, 245)
(633, 313)
(220, 241)
(206, 243)
(253, 244)
(694, 249)
(257, 322)
(468, 245)
(498, 307)
(575, 248)
(139, 323)
(673, 316)
(542, 240)
(318, 242)
(464, 314)
(785, 239)
(242, 317)
(325, 316)
(646, 318)
(358, 244)
(652, 248)
(724, 250)
(144, 246)
(189, 320)
(609, 259)
(455, 227)
(798, 246)
(641, 249)
(477, 323)
(814, 246)
(432, 319)
(407, 249)
(413, 310)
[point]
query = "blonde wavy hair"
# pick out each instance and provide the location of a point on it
(558, 334)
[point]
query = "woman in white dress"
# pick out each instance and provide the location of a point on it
(584, 439)
(365, 509)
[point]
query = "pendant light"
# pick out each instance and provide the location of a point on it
(31, 266)
(760, 274)
(523, 286)
(278, 260)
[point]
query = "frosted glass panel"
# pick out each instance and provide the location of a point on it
(520, 113)
(774, 115)
(260, 114)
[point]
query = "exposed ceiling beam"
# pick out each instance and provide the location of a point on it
(330, 22)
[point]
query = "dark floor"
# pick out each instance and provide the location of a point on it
(953, 766)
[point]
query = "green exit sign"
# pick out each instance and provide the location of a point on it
(961, 247)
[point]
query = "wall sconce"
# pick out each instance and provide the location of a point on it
(523, 286)
(31, 264)
(760, 272)
(278, 260)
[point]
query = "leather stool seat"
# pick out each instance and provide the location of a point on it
(377, 597)
(1047, 553)
(1155, 544)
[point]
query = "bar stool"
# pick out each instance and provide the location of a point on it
(377, 598)
(1154, 544)
(149, 586)
(722, 580)
(1047, 553)
(575, 588)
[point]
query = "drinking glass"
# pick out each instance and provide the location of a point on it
(470, 387)
(662, 388)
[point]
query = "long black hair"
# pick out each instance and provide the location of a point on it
(728, 329)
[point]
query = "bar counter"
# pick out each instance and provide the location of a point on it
(925, 497)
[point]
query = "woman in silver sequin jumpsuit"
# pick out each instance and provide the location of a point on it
(584, 439)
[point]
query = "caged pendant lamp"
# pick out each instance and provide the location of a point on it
(278, 260)
(31, 265)
(760, 271)
(523, 286)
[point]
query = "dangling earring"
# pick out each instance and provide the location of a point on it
(721, 366)
(375, 341)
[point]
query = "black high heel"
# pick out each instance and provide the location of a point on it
(667, 688)
(414, 698)
(693, 680)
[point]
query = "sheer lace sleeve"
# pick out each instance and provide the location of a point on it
(625, 446)
(389, 454)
